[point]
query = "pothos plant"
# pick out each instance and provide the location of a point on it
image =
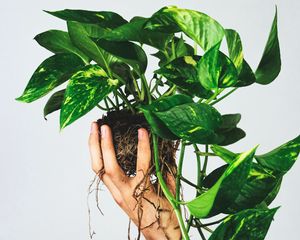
(103, 61)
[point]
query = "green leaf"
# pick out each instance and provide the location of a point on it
(260, 183)
(282, 158)
(127, 52)
(251, 224)
(192, 122)
(246, 76)
(134, 31)
(261, 186)
(230, 121)
(201, 28)
(235, 48)
(231, 136)
(50, 73)
(272, 195)
(81, 34)
(175, 49)
(163, 104)
(54, 103)
(270, 63)
(216, 70)
(85, 90)
(224, 153)
(183, 73)
(225, 190)
(58, 41)
(103, 18)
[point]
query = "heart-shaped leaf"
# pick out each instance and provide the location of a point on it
(260, 183)
(163, 104)
(246, 76)
(216, 70)
(282, 158)
(201, 28)
(81, 34)
(54, 103)
(58, 41)
(192, 122)
(51, 73)
(127, 52)
(134, 31)
(85, 90)
(225, 190)
(183, 73)
(235, 48)
(251, 224)
(103, 18)
(270, 63)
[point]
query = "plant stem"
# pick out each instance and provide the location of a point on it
(224, 96)
(170, 91)
(189, 182)
(136, 86)
(199, 230)
(146, 88)
(213, 223)
(205, 154)
(112, 103)
(117, 100)
(106, 103)
(126, 101)
(195, 48)
(179, 169)
(166, 190)
(199, 180)
(216, 93)
(204, 164)
(102, 108)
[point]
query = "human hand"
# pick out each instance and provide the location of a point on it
(152, 214)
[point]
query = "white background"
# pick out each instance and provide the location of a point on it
(44, 173)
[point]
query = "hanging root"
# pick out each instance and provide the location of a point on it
(97, 179)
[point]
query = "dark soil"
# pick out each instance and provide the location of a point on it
(124, 126)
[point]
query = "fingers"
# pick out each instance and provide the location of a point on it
(143, 153)
(94, 147)
(112, 168)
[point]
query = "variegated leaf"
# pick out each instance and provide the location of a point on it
(216, 70)
(203, 29)
(85, 90)
(225, 190)
(192, 121)
(282, 158)
(58, 41)
(51, 73)
(251, 224)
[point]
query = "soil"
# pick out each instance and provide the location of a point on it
(124, 125)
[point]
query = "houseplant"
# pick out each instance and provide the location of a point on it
(102, 58)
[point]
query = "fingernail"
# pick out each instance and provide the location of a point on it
(140, 133)
(103, 131)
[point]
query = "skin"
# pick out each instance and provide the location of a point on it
(122, 187)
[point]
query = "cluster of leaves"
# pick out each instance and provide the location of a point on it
(102, 56)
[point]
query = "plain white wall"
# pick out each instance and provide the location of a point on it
(44, 174)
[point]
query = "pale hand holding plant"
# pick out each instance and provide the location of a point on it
(122, 187)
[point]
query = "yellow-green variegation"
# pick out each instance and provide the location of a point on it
(85, 90)
(51, 73)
